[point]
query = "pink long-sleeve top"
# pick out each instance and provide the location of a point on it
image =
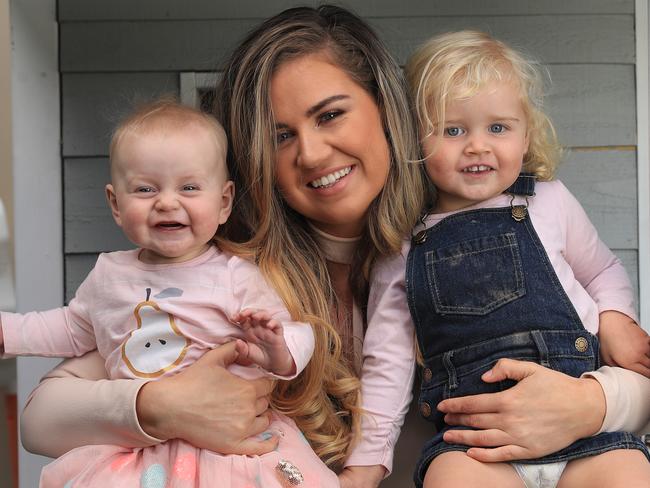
(76, 405)
(149, 320)
(592, 276)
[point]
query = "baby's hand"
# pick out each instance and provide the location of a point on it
(263, 342)
(362, 476)
(623, 343)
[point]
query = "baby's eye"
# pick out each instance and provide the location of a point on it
(454, 131)
(144, 189)
(497, 128)
(190, 187)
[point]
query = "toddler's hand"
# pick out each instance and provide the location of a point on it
(362, 476)
(623, 343)
(263, 342)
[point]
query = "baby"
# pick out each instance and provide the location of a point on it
(154, 310)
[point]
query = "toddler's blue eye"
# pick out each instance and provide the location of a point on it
(454, 131)
(497, 128)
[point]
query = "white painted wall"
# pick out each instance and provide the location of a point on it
(642, 28)
(37, 182)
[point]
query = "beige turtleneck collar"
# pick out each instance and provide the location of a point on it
(336, 249)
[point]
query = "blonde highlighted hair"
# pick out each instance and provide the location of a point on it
(163, 114)
(456, 65)
(324, 399)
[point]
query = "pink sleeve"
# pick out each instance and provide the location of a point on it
(251, 290)
(388, 366)
(627, 395)
(594, 265)
(75, 405)
(61, 332)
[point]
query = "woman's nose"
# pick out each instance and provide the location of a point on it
(313, 150)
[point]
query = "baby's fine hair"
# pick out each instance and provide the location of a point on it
(456, 65)
(165, 114)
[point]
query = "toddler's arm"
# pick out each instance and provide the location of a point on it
(264, 344)
(594, 265)
(362, 476)
(623, 343)
(388, 366)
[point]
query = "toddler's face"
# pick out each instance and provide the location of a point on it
(482, 147)
(169, 192)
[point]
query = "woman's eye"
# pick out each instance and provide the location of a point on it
(281, 137)
(454, 131)
(327, 116)
(497, 128)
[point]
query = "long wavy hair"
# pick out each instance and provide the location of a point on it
(324, 399)
(455, 65)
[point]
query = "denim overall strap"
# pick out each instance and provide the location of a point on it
(524, 185)
(481, 287)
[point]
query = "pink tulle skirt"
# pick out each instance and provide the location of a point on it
(177, 464)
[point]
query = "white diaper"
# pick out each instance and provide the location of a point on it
(540, 475)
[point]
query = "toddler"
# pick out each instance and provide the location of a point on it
(154, 310)
(505, 264)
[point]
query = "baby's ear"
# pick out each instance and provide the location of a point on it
(112, 202)
(227, 197)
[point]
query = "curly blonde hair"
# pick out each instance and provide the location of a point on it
(456, 65)
(324, 399)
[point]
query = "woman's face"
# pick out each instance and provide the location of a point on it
(332, 153)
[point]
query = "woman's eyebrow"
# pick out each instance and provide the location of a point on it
(311, 111)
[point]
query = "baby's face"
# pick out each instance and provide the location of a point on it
(169, 192)
(482, 147)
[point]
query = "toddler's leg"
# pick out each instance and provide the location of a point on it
(457, 469)
(622, 468)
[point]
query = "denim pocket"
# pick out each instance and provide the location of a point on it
(476, 276)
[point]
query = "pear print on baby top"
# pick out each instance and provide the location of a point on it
(156, 345)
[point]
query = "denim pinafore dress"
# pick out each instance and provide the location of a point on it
(481, 287)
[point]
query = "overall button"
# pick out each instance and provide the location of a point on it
(425, 409)
(581, 344)
(427, 375)
(420, 237)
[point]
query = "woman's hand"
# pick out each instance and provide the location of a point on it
(209, 407)
(362, 476)
(543, 413)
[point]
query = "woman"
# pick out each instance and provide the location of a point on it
(325, 188)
